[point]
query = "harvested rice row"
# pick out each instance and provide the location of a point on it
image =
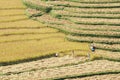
(100, 43)
(95, 1)
(73, 70)
(39, 5)
(95, 21)
(92, 33)
(63, 13)
(47, 19)
(115, 47)
(91, 11)
(115, 56)
(41, 64)
(94, 39)
(33, 12)
(81, 5)
(94, 27)
(100, 77)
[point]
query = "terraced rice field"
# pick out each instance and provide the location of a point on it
(80, 19)
(22, 38)
(31, 35)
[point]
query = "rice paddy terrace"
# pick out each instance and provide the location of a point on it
(32, 31)
(84, 21)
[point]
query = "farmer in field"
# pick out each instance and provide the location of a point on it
(92, 47)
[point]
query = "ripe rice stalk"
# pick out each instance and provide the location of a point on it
(12, 4)
(35, 49)
(12, 18)
(21, 24)
(27, 37)
(12, 12)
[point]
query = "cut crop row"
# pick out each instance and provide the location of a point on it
(110, 44)
(94, 39)
(41, 64)
(91, 11)
(47, 19)
(37, 4)
(33, 12)
(62, 25)
(59, 13)
(95, 21)
(16, 4)
(91, 68)
(81, 5)
(95, 1)
(8, 32)
(94, 27)
(99, 77)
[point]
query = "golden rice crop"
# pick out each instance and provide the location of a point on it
(12, 18)
(21, 24)
(8, 32)
(12, 12)
(32, 49)
(11, 4)
(32, 43)
(28, 37)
